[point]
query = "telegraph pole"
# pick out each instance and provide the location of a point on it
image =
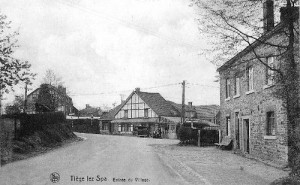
(25, 101)
(183, 103)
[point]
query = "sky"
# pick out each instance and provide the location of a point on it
(104, 49)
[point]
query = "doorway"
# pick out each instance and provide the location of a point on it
(237, 130)
(246, 135)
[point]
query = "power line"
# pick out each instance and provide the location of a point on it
(122, 91)
(130, 24)
(203, 85)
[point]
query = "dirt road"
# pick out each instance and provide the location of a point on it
(104, 159)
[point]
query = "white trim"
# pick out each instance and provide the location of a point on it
(270, 137)
(268, 86)
(250, 92)
(236, 96)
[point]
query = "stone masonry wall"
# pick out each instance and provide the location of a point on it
(254, 106)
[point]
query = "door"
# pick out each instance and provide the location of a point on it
(237, 130)
(246, 136)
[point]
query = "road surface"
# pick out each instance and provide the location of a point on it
(105, 159)
(112, 158)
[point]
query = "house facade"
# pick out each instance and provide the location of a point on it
(146, 109)
(250, 113)
(64, 104)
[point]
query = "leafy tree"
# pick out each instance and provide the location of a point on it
(233, 25)
(12, 70)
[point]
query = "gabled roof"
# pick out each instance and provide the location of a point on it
(156, 102)
(179, 107)
(111, 113)
(250, 47)
(206, 111)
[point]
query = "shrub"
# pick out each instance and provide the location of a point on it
(184, 134)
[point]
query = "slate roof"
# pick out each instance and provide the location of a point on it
(110, 114)
(205, 111)
(158, 104)
(179, 107)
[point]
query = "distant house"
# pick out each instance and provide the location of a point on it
(64, 103)
(209, 113)
(146, 109)
(105, 121)
(89, 111)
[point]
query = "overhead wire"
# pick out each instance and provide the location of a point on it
(129, 24)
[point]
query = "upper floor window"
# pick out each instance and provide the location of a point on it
(237, 85)
(227, 88)
(146, 113)
(269, 72)
(250, 82)
(270, 127)
(125, 113)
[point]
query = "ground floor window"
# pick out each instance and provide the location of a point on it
(105, 126)
(270, 127)
(125, 128)
(228, 126)
(131, 128)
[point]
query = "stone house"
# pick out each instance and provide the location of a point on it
(250, 114)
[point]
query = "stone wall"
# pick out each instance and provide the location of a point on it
(7, 130)
(254, 106)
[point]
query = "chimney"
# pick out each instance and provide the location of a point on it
(284, 13)
(87, 105)
(137, 89)
(190, 105)
(268, 15)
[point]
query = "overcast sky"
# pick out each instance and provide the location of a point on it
(104, 48)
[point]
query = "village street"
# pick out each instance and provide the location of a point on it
(142, 160)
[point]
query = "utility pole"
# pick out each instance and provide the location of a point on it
(25, 101)
(183, 103)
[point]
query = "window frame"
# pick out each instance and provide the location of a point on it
(227, 88)
(237, 85)
(250, 78)
(227, 120)
(270, 123)
(269, 78)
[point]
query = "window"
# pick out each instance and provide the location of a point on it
(105, 126)
(146, 113)
(270, 127)
(249, 73)
(228, 126)
(131, 128)
(269, 72)
(125, 113)
(227, 88)
(236, 86)
(119, 128)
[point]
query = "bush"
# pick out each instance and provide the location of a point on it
(188, 135)
(185, 135)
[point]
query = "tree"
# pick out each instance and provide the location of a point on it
(232, 25)
(12, 70)
(17, 106)
(46, 101)
(52, 79)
